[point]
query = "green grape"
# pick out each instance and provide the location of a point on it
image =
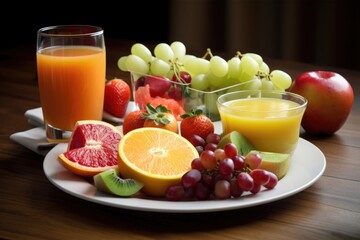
(179, 49)
(244, 77)
(200, 82)
(266, 84)
(218, 66)
(136, 64)
(254, 84)
(234, 67)
(197, 66)
(121, 63)
(215, 81)
(249, 66)
(142, 51)
(230, 82)
(164, 52)
(159, 67)
(280, 79)
(264, 68)
(170, 73)
(186, 58)
(255, 56)
(276, 87)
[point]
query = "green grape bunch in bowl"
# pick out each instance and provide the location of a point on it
(183, 82)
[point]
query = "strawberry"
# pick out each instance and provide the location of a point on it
(117, 97)
(133, 120)
(196, 123)
(160, 117)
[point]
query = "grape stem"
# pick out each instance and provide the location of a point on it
(175, 66)
(208, 53)
(238, 54)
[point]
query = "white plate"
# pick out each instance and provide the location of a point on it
(307, 166)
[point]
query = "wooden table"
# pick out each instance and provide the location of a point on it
(33, 208)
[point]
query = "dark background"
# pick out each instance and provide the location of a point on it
(324, 32)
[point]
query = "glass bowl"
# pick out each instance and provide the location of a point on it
(177, 97)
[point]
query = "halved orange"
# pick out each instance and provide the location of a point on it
(156, 157)
(93, 148)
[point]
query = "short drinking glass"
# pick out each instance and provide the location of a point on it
(270, 120)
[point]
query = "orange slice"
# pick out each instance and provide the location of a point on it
(93, 148)
(156, 157)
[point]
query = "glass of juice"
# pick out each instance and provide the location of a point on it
(71, 70)
(270, 120)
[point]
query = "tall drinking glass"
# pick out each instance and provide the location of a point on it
(71, 68)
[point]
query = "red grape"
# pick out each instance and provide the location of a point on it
(208, 159)
(230, 150)
(185, 77)
(245, 181)
(197, 140)
(213, 138)
(222, 189)
(272, 182)
(175, 193)
(260, 176)
(226, 167)
(256, 188)
(253, 160)
(191, 178)
(239, 162)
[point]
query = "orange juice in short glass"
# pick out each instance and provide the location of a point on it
(71, 64)
(270, 120)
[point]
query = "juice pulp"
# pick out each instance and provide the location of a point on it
(71, 84)
(266, 122)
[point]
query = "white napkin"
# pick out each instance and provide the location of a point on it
(35, 138)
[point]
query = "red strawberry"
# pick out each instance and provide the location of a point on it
(133, 120)
(117, 97)
(196, 123)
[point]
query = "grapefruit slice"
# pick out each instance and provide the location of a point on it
(156, 157)
(93, 148)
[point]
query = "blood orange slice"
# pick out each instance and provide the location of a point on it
(93, 148)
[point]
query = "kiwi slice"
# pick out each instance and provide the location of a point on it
(109, 181)
(241, 142)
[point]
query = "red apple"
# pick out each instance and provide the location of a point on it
(330, 98)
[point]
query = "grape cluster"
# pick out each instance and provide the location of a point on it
(221, 173)
(207, 73)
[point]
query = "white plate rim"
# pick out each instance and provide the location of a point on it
(307, 166)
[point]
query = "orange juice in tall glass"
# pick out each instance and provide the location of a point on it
(71, 67)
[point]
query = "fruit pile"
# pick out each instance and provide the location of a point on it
(153, 160)
(222, 172)
(183, 82)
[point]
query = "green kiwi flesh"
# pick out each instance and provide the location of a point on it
(109, 181)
